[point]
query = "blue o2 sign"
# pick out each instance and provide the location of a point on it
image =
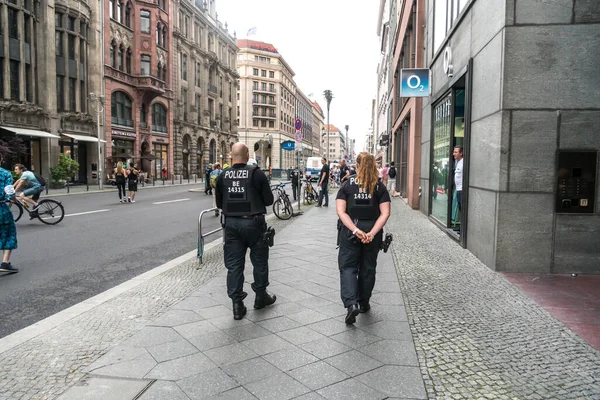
(415, 82)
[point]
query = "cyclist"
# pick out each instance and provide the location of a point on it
(32, 187)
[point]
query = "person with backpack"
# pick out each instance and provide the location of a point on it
(391, 184)
(213, 184)
(207, 187)
(32, 183)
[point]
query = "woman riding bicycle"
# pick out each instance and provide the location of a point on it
(33, 187)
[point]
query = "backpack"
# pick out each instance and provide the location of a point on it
(40, 179)
(392, 172)
(213, 178)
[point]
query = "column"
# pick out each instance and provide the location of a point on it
(5, 65)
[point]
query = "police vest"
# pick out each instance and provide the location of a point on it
(240, 197)
(360, 204)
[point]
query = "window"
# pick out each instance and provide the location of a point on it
(128, 61)
(58, 43)
(128, 15)
(263, 123)
(58, 19)
(82, 97)
(255, 122)
(198, 110)
(263, 73)
(184, 100)
(271, 124)
(159, 118)
(254, 85)
(198, 70)
(145, 64)
(164, 75)
(255, 72)
(119, 11)
(27, 28)
(28, 79)
(445, 13)
(82, 49)
(164, 36)
(71, 47)
(121, 109)
(60, 93)
(14, 80)
(158, 33)
(71, 25)
(145, 21)
(120, 59)
(263, 86)
(162, 4)
(272, 87)
(13, 23)
(184, 67)
(72, 94)
(113, 56)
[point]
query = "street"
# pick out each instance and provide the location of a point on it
(98, 245)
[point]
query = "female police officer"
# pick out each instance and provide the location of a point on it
(363, 206)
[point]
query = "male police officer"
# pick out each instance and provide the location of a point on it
(243, 192)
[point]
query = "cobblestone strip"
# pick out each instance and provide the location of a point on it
(44, 367)
(477, 336)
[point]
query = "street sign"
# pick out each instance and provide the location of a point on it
(415, 82)
(288, 145)
(298, 146)
(298, 124)
(298, 136)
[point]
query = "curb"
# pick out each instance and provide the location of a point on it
(50, 194)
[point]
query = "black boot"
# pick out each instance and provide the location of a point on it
(239, 310)
(352, 313)
(263, 299)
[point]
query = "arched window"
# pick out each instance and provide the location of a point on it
(164, 37)
(113, 56)
(128, 61)
(120, 58)
(143, 116)
(128, 15)
(159, 118)
(158, 33)
(121, 109)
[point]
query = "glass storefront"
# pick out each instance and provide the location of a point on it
(161, 152)
(122, 150)
(440, 159)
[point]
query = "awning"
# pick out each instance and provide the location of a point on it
(82, 138)
(30, 132)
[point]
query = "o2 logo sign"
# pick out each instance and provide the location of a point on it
(415, 82)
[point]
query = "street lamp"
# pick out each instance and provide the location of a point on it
(347, 141)
(97, 104)
(328, 96)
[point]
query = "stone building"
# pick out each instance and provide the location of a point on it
(205, 87)
(137, 73)
(516, 84)
(49, 61)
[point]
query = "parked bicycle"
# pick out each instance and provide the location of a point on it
(282, 207)
(310, 193)
(50, 212)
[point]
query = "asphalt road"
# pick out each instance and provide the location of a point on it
(99, 244)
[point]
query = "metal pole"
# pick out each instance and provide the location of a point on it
(99, 150)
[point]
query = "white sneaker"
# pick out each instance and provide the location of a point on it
(133, 201)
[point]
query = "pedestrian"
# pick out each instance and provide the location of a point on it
(164, 172)
(392, 180)
(384, 174)
(363, 206)
(132, 181)
(458, 181)
(120, 181)
(243, 193)
(216, 171)
(8, 229)
(294, 176)
(207, 187)
(323, 184)
(344, 171)
(28, 185)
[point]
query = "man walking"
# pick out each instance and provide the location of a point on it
(8, 229)
(323, 184)
(294, 175)
(344, 171)
(243, 193)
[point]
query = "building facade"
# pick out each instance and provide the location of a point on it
(515, 83)
(338, 149)
(404, 141)
(381, 122)
(267, 103)
(318, 143)
(204, 86)
(49, 64)
(137, 73)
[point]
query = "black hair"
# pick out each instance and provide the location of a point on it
(460, 149)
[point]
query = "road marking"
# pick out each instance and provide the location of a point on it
(84, 213)
(170, 201)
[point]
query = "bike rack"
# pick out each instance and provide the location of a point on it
(200, 251)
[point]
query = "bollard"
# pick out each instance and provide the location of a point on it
(87, 186)
(188, 179)
(68, 189)
(180, 179)
(153, 181)
(195, 178)
(172, 179)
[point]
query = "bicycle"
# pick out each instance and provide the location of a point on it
(310, 193)
(50, 212)
(282, 207)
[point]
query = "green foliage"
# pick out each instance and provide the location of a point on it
(66, 169)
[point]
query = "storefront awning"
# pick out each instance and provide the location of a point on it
(82, 138)
(29, 132)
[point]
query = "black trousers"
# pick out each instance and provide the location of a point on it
(357, 264)
(324, 195)
(242, 234)
(121, 187)
(295, 189)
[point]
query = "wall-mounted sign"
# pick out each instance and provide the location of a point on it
(288, 145)
(448, 67)
(415, 82)
(125, 134)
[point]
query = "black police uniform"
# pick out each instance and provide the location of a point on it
(294, 175)
(357, 261)
(243, 192)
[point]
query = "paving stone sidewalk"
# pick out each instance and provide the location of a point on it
(299, 348)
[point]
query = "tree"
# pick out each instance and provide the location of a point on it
(12, 145)
(66, 169)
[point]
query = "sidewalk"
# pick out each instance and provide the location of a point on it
(442, 326)
(107, 187)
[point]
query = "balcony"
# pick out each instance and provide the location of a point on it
(150, 84)
(264, 115)
(269, 103)
(118, 75)
(159, 128)
(122, 122)
(264, 90)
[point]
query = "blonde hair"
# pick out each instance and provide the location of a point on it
(120, 167)
(367, 173)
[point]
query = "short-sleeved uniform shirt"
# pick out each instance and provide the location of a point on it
(381, 193)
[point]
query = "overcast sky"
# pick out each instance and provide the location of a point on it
(330, 44)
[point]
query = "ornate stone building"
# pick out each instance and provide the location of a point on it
(48, 65)
(137, 70)
(205, 84)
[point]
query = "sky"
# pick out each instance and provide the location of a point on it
(329, 44)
